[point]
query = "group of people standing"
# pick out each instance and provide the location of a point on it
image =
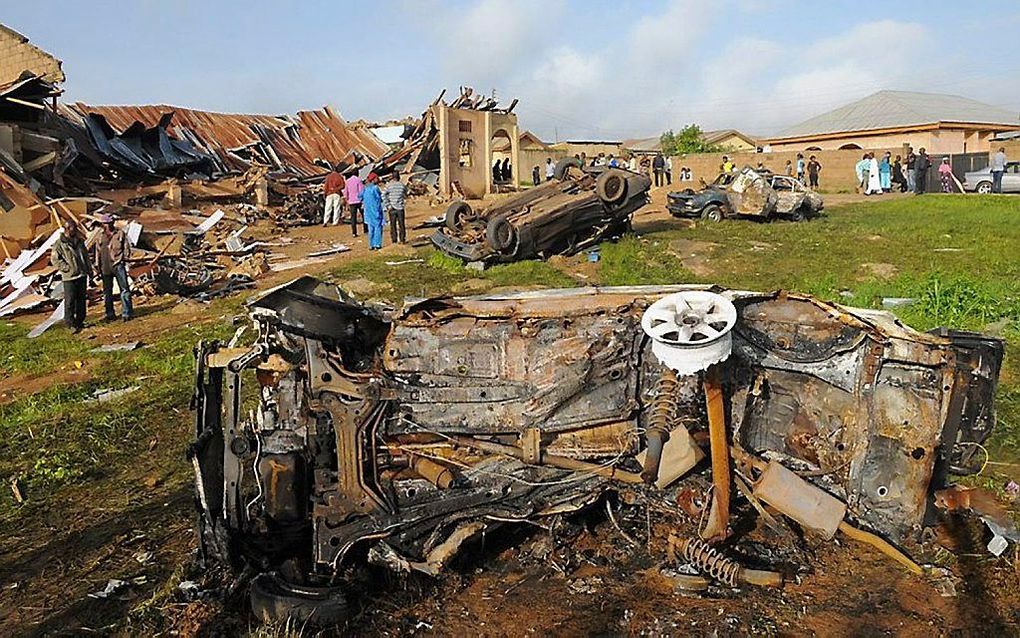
(910, 174)
(502, 172)
(369, 201)
(661, 167)
(809, 168)
(70, 256)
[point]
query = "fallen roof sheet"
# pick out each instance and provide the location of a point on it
(297, 144)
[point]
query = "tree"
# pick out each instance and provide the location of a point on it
(689, 140)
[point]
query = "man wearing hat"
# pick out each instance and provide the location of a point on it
(112, 252)
(371, 205)
(70, 257)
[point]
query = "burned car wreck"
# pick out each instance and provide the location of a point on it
(579, 208)
(395, 440)
(750, 194)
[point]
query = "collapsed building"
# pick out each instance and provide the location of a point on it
(454, 145)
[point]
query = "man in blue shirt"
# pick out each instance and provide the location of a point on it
(371, 205)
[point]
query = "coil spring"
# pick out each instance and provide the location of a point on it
(709, 560)
(663, 412)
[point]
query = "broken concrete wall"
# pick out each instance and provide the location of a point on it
(466, 148)
(18, 55)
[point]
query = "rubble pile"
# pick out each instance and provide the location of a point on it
(418, 158)
(154, 167)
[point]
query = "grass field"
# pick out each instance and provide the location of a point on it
(956, 256)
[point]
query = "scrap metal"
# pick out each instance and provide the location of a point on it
(407, 432)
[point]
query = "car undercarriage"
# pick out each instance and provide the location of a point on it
(394, 437)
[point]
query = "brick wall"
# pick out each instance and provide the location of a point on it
(17, 55)
(837, 172)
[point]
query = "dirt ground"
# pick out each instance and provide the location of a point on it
(134, 523)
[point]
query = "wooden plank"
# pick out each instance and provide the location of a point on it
(39, 162)
(38, 143)
(25, 103)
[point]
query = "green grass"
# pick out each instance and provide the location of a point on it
(55, 436)
(440, 274)
(47, 352)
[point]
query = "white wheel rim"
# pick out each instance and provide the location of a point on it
(689, 318)
(690, 330)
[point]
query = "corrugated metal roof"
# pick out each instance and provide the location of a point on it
(897, 109)
(297, 141)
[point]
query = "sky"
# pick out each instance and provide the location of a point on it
(582, 69)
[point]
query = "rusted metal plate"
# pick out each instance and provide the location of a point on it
(297, 142)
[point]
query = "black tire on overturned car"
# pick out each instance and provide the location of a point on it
(456, 213)
(611, 186)
(560, 170)
(275, 600)
(500, 233)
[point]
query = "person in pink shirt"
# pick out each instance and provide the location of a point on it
(352, 195)
(946, 175)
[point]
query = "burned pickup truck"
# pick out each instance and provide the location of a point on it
(748, 193)
(579, 208)
(393, 441)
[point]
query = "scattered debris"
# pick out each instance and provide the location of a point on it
(103, 396)
(16, 491)
(987, 508)
(115, 586)
(897, 302)
(404, 262)
(119, 347)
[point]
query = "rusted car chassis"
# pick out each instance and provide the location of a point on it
(397, 439)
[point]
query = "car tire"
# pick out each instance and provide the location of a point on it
(500, 233)
(275, 600)
(712, 213)
(456, 213)
(560, 170)
(611, 186)
(799, 214)
(984, 188)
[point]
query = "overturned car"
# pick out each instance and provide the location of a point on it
(578, 208)
(748, 193)
(395, 440)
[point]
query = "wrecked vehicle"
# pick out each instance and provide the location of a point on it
(579, 208)
(395, 441)
(748, 193)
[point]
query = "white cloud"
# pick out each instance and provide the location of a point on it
(565, 72)
(662, 40)
(682, 62)
(489, 37)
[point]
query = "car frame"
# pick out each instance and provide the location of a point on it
(577, 209)
(396, 436)
(749, 193)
